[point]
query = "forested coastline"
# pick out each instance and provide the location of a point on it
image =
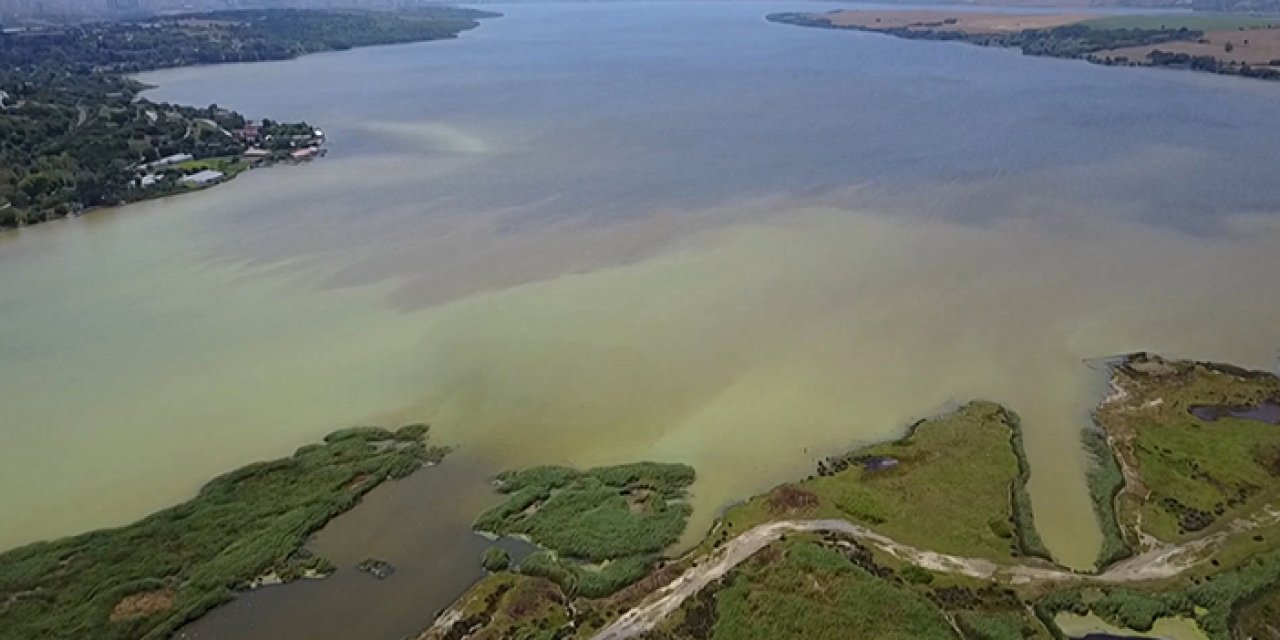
(76, 134)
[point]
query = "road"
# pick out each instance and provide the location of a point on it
(1156, 563)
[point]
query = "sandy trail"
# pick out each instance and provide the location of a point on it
(1156, 563)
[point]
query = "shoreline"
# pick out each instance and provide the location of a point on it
(1246, 46)
(1201, 579)
(465, 20)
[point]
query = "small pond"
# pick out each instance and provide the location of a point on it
(1091, 627)
(1268, 412)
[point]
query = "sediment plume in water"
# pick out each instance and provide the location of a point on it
(753, 350)
(749, 340)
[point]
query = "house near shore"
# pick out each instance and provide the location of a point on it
(251, 132)
(203, 178)
(256, 152)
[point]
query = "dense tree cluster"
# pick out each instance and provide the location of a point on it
(1069, 41)
(73, 130)
(1210, 63)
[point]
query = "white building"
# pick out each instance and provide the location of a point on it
(173, 159)
(206, 177)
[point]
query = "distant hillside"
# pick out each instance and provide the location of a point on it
(1251, 6)
(57, 10)
(79, 9)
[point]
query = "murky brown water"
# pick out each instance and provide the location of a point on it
(591, 234)
(413, 524)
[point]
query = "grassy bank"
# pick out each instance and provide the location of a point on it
(955, 484)
(1105, 482)
(1196, 476)
(963, 469)
(828, 587)
(145, 580)
(1028, 538)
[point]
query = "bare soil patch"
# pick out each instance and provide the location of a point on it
(143, 604)
(638, 500)
(790, 499)
(357, 481)
(1254, 47)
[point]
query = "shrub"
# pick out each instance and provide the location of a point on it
(495, 559)
(916, 575)
(598, 515)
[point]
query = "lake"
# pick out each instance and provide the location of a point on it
(595, 233)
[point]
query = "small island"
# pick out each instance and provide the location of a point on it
(76, 132)
(932, 535)
(1246, 46)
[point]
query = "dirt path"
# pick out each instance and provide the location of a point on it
(1164, 562)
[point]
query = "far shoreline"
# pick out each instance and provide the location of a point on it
(1244, 45)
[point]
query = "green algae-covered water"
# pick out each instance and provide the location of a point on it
(589, 234)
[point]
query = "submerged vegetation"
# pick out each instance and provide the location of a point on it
(145, 580)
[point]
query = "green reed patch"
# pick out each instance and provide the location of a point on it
(145, 580)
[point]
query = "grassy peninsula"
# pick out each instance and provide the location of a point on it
(75, 132)
(965, 468)
(145, 580)
(932, 536)
(1241, 45)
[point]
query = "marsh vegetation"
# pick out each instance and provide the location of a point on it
(600, 528)
(965, 468)
(246, 528)
(954, 484)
